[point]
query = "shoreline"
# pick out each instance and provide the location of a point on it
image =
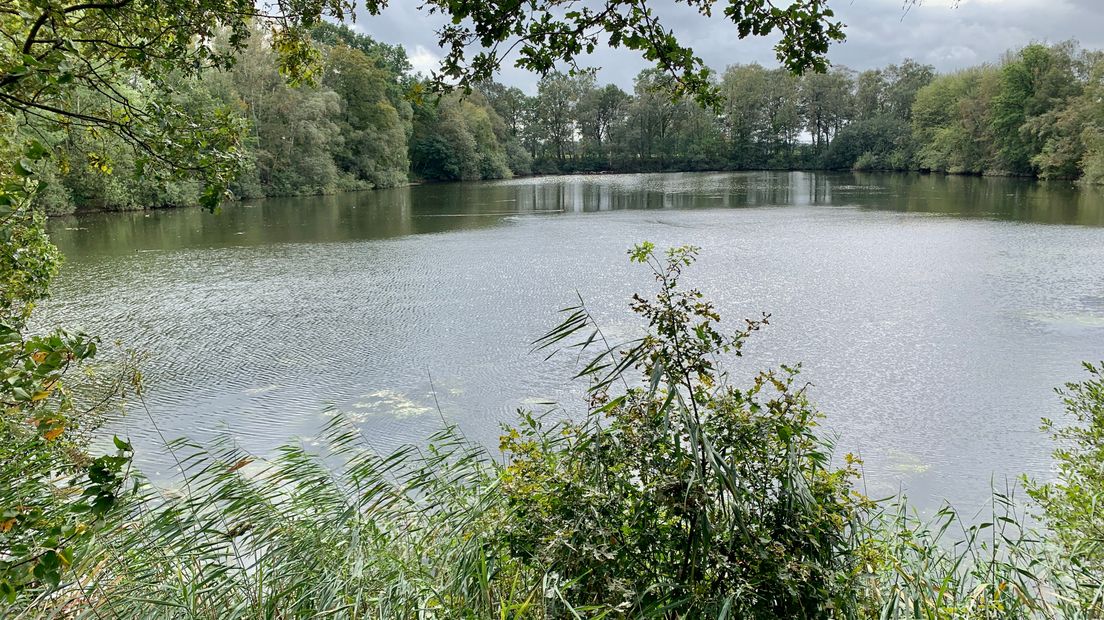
(1072, 183)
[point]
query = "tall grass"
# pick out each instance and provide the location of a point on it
(989, 565)
(341, 533)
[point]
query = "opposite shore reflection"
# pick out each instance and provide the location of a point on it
(425, 209)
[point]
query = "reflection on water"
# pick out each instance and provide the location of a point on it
(412, 210)
(933, 314)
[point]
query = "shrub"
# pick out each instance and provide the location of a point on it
(685, 495)
(1073, 504)
(53, 496)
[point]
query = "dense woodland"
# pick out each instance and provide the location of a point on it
(367, 122)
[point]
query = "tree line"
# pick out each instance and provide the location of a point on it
(365, 121)
(1037, 112)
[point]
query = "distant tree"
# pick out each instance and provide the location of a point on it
(870, 94)
(374, 133)
(698, 138)
(745, 89)
(1069, 134)
(555, 113)
(881, 142)
(390, 58)
(950, 120)
(651, 118)
(784, 120)
(601, 112)
(458, 139)
(1033, 84)
(880, 136)
(902, 82)
(509, 102)
(827, 104)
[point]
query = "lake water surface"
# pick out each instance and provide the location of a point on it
(933, 315)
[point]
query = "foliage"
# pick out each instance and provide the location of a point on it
(348, 131)
(373, 129)
(826, 104)
(559, 31)
(1030, 86)
(460, 139)
(686, 496)
(1073, 504)
(877, 143)
(54, 498)
(391, 59)
(1036, 114)
(951, 122)
(368, 123)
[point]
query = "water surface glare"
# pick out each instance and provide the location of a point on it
(933, 315)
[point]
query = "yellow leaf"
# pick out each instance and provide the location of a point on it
(53, 433)
(6, 526)
(38, 356)
(240, 464)
(39, 396)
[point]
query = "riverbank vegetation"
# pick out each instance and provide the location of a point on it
(368, 122)
(683, 492)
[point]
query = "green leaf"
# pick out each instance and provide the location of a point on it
(23, 167)
(35, 150)
(7, 591)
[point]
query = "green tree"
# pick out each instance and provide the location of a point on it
(698, 138)
(389, 58)
(295, 130)
(554, 118)
(1031, 85)
(870, 94)
(950, 120)
(784, 119)
(1069, 132)
(650, 122)
(457, 138)
(600, 114)
(510, 103)
(902, 83)
(745, 89)
(374, 134)
(827, 105)
(880, 136)
(878, 143)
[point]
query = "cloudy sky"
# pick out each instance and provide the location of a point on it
(879, 32)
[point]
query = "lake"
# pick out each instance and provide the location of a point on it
(933, 315)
